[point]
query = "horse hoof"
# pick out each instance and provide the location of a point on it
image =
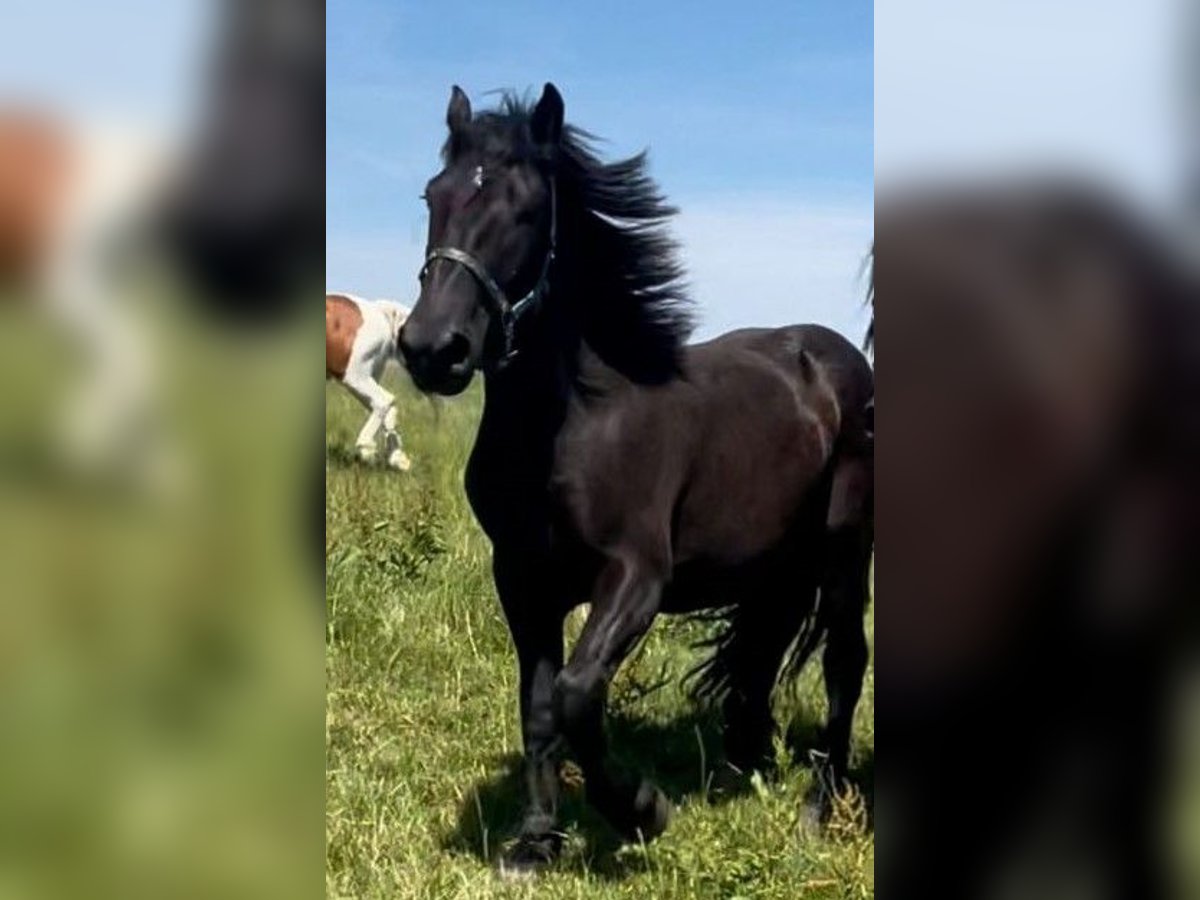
(528, 856)
(652, 811)
(366, 454)
(399, 460)
(816, 807)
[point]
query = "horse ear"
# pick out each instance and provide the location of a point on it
(547, 120)
(458, 113)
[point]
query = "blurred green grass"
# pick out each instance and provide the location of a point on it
(160, 679)
(422, 735)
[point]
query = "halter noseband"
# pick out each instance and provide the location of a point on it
(508, 313)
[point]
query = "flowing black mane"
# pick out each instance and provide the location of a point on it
(617, 265)
(869, 267)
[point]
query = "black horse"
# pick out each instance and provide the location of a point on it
(616, 466)
(246, 221)
(1042, 512)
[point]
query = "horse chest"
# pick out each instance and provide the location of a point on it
(523, 498)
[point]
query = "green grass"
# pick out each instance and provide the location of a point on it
(423, 742)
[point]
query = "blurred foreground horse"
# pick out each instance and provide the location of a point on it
(238, 211)
(1042, 412)
(72, 198)
(618, 467)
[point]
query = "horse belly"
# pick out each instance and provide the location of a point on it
(750, 491)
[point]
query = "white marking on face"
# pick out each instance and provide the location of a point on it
(477, 178)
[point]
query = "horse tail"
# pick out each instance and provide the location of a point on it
(742, 629)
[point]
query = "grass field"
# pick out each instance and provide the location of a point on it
(422, 735)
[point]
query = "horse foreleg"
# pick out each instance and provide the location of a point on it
(372, 395)
(537, 631)
(107, 422)
(624, 604)
(396, 457)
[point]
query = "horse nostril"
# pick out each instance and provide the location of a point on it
(408, 343)
(453, 350)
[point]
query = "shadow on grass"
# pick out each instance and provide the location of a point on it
(342, 457)
(682, 756)
(31, 467)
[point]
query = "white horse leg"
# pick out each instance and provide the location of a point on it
(396, 457)
(367, 441)
(378, 401)
(105, 421)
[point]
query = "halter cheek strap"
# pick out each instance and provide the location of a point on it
(499, 306)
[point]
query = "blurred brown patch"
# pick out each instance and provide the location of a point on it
(35, 171)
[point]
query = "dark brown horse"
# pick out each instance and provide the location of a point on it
(617, 467)
(1039, 498)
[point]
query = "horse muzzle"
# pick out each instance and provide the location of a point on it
(441, 365)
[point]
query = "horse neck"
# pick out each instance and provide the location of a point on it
(525, 405)
(554, 361)
(538, 381)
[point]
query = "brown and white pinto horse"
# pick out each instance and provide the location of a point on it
(360, 338)
(71, 199)
(232, 205)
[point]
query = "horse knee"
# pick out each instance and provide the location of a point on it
(577, 693)
(846, 648)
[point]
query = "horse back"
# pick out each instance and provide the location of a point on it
(782, 408)
(720, 464)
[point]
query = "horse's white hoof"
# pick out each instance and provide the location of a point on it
(399, 460)
(366, 454)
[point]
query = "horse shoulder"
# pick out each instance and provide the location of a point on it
(620, 465)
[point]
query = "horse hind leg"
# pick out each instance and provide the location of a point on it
(845, 594)
(396, 457)
(745, 668)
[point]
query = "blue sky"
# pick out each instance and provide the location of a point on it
(121, 59)
(1094, 86)
(758, 119)
(759, 116)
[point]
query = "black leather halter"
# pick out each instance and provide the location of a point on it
(499, 306)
